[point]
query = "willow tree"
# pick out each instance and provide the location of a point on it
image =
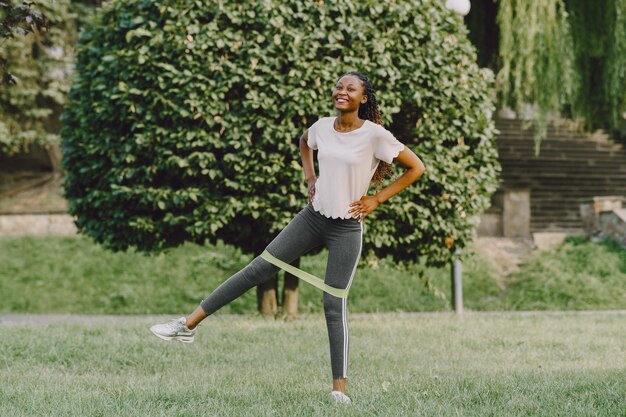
(599, 38)
(565, 57)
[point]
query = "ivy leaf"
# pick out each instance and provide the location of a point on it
(137, 33)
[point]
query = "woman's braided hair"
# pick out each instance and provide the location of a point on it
(370, 111)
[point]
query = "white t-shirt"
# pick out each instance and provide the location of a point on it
(347, 162)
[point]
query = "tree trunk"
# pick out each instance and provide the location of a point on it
(54, 156)
(267, 297)
(290, 293)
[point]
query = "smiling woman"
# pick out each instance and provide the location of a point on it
(351, 147)
(356, 148)
(369, 110)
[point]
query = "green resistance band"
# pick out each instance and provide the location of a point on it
(311, 279)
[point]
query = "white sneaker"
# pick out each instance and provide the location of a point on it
(339, 397)
(175, 330)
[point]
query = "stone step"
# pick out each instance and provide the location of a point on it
(524, 142)
(616, 162)
(512, 153)
(571, 168)
(578, 172)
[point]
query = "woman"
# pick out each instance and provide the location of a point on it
(353, 148)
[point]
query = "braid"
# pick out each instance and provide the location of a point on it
(370, 111)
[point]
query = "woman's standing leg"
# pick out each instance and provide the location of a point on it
(344, 245)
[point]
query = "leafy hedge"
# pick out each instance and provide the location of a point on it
(184, 118)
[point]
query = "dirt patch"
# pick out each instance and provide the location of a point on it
(505, 254)
(29, 192)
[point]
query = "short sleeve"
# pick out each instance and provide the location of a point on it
(312, 136)
(387, 146)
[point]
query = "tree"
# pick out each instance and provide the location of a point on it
(36, 71)
(17, 20)
(182, 123)
(563, 57)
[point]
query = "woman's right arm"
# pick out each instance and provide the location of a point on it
(306, 154)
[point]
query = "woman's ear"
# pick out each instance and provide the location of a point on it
(364, 100)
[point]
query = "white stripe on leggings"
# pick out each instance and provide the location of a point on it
(344, 308)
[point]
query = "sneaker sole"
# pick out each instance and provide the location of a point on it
(345, 400)
(183, 339)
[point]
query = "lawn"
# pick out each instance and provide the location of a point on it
(484, 364)
(73, 275)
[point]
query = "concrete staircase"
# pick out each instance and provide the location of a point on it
(572, 167)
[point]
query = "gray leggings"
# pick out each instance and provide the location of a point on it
(306, 231)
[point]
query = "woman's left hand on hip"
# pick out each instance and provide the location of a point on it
(363, 207)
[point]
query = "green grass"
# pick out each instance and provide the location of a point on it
(579, 275)
(401, 365)
(74, 275)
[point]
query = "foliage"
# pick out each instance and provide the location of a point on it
(537, 57)
(599, 36)
(183, 122)
(616, 68)
(40, 65)
(566, 57)
(20, 20)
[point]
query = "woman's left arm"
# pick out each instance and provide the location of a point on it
(415, 169)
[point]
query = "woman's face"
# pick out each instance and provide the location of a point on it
(349, 93)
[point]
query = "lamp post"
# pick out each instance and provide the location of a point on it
(462, 7)
(457, 285)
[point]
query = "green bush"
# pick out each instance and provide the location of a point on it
(183, 120)
(578, 275)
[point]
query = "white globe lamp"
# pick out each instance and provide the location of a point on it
(462, 7)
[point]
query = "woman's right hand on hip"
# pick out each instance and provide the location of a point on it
(311, 188)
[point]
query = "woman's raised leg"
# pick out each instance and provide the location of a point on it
(299, 237)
